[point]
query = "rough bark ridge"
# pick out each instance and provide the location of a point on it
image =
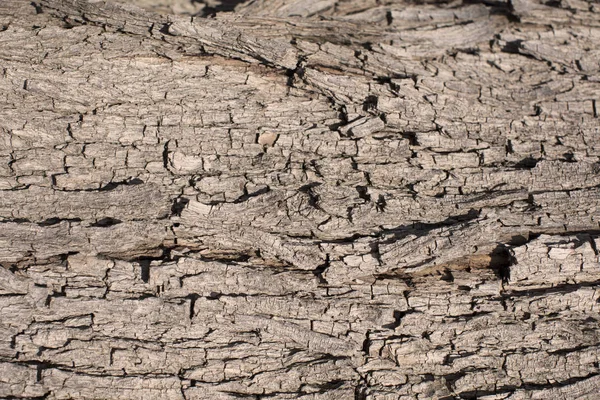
(300, 200)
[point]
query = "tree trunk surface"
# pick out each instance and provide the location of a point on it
(336, 199)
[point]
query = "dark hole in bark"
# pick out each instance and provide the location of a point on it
(512, 47)
(527, 163)
(569, 157)
(114, 185)
(389, 17)
(56, 220)
(165, 29)
(447, 276)
(380, 203)
(398, 315)
(318, 271)
(363, 193)
(38, 8)
(106, 222)
(370, 103)
(360, 392)
(145, 270)
(193, 297)
(178, 205)
(223, 6)
(213, 296)
(500, 262)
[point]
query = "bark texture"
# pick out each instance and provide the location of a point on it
(337, 199)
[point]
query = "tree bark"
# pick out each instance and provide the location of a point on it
(340, 199)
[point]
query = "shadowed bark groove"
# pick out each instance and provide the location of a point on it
(338, 199)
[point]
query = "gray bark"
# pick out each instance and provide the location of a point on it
(337, 199)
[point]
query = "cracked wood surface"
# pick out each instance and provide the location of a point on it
(338, 199)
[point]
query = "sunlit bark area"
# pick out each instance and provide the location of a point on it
(337, 199)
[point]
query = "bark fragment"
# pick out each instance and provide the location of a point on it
(341, 199)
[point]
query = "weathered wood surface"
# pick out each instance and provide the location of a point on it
(300, 200)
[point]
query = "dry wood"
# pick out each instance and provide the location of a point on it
(336, 199)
